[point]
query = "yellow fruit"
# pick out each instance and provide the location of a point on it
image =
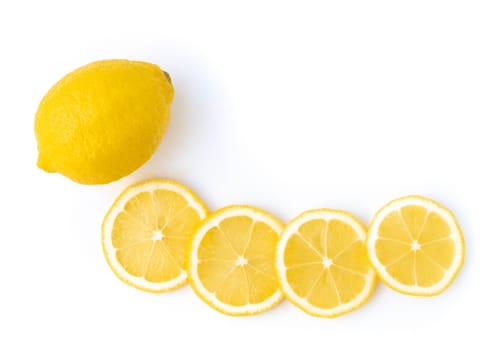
(145, 234)
(103, 120)
(231, 260)
(322, 264)
(416, 246)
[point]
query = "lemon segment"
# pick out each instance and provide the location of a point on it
(231, 260)
(322, 264)
(146, 232)
(416, 246)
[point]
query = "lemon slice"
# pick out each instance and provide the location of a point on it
(322, 264)
(146, 233)
(231, 260)
(416, 246)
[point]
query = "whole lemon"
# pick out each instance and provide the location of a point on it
(103, 121)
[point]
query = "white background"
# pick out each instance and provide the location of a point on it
(286, 106)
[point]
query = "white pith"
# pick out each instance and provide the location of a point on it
(455, 235)
(291, 229)
(193, 260)
(111, 251)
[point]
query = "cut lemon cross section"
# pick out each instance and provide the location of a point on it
(322, 264)
(231, 260)
(416, 246)
(146, 233)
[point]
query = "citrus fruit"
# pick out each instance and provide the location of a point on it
(322, 264)
(416, 246)
(103, 120)
(145, 234)
(230, 263)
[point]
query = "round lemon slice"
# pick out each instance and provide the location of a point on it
(146, 233)
(416, 246)
(231, 260)
(322, 264)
